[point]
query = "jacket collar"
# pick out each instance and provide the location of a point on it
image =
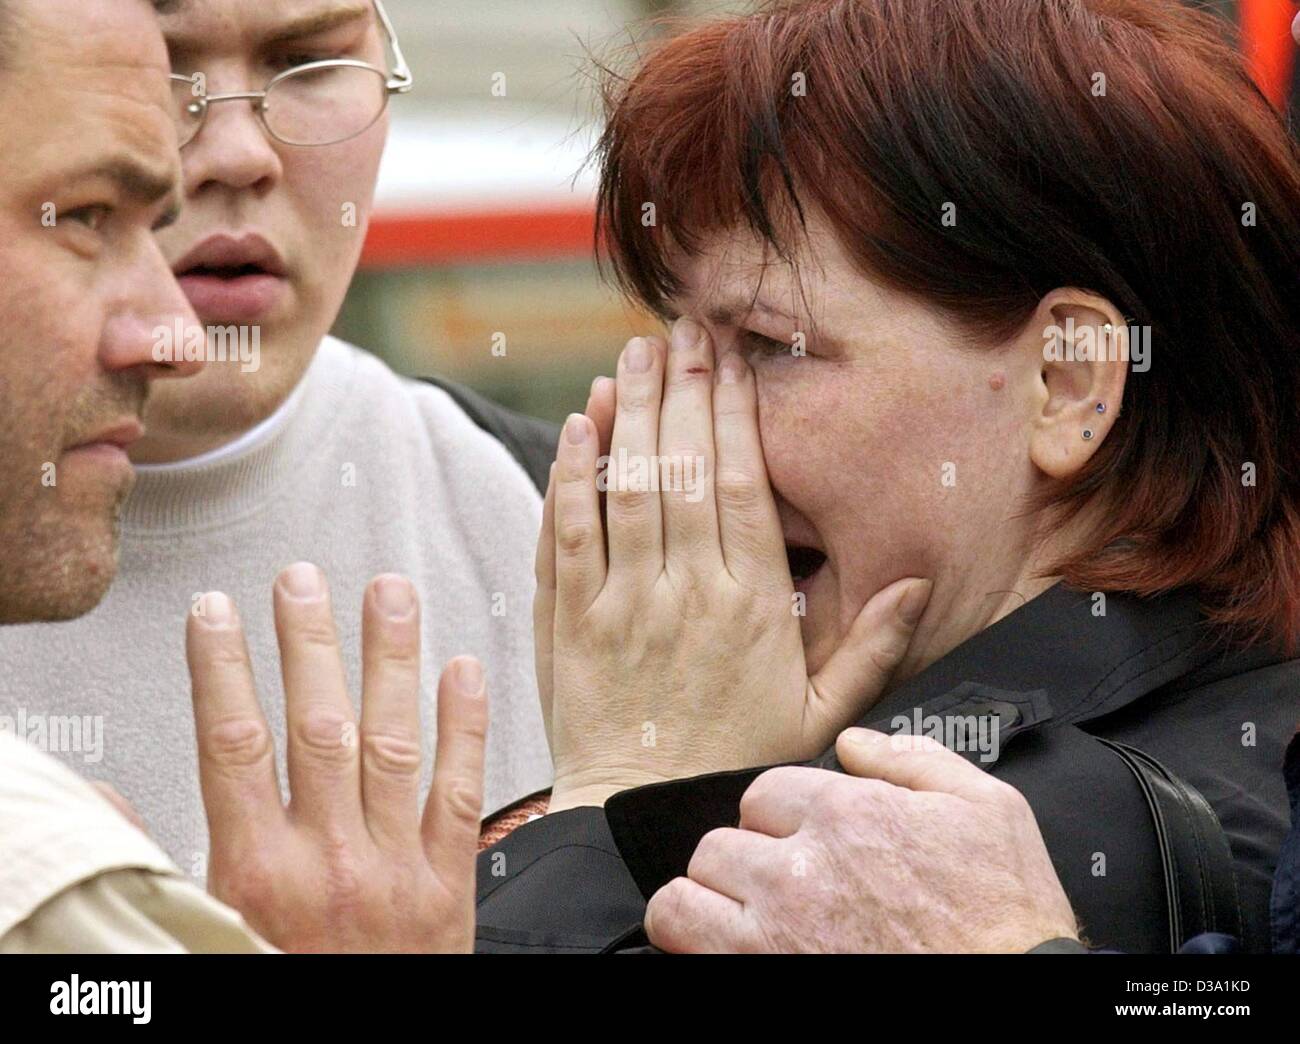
(1067, 656)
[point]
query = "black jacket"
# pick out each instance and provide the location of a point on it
(1060, 680)
(1065, 686)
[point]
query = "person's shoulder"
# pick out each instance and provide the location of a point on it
(456, 421)
(530, 440)
(56, 830)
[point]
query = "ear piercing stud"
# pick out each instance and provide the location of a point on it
(1087, 432)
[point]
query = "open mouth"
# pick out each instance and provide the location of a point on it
(233, 279)
(225, 271)
(804, 561)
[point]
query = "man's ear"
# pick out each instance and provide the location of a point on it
(1081, 341)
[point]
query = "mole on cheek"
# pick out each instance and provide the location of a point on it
(997, 381)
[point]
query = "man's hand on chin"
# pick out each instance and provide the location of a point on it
(350, 864)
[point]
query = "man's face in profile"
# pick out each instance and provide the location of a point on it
(88, 168)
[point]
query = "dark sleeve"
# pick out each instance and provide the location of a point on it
(532, 442)
(556, 885)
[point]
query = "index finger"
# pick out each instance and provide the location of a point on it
(920, 763)
(241, 794)
(748, 524)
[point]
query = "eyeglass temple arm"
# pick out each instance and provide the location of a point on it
(401, 81)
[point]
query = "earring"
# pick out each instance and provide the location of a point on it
(1101, 407)
(1087, 433)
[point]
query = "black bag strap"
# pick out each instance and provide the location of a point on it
(1200, 885)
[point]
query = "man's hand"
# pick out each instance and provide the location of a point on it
(349, 864)
(667, 628)
(923, 852)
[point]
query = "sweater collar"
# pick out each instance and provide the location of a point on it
(235, 482)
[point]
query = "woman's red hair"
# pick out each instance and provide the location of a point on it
(1175, 194)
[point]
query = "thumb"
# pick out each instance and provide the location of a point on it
(914, 762)
(858, 670)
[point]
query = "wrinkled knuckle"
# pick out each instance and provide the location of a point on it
(464, 802)
(392, 754)
(573, 538)
(398, 654)
(237, 742)
(710, 850)
(324, 734)
(224, 649)
(473, 723)
(630, 503)
(765, 788)
(785, 779)
(313, 630)
(635, 397)
(738, 490)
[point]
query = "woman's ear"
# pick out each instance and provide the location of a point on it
(1081, 343)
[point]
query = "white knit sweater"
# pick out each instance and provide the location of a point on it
(366, 472)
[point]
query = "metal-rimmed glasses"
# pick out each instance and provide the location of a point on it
(318, 103)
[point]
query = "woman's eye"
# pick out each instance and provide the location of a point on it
(766, 347)
(92, 217)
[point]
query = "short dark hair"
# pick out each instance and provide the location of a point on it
(1139, 198)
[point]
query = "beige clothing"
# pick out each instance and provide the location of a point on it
(363, 472)
(76, 877)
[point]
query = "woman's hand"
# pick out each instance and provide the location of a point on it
(668, 643)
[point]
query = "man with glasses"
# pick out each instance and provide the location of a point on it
(290, 445)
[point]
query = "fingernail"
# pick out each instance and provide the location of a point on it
(395, 597)
(686, 334)
(732, 369)
(913, 603)
(302, 580)
(636, 356)
(469, 675)
(217, 610)
(575, 429)
(594, 385)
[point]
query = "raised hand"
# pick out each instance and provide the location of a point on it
(667, 638)
(349, 864)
